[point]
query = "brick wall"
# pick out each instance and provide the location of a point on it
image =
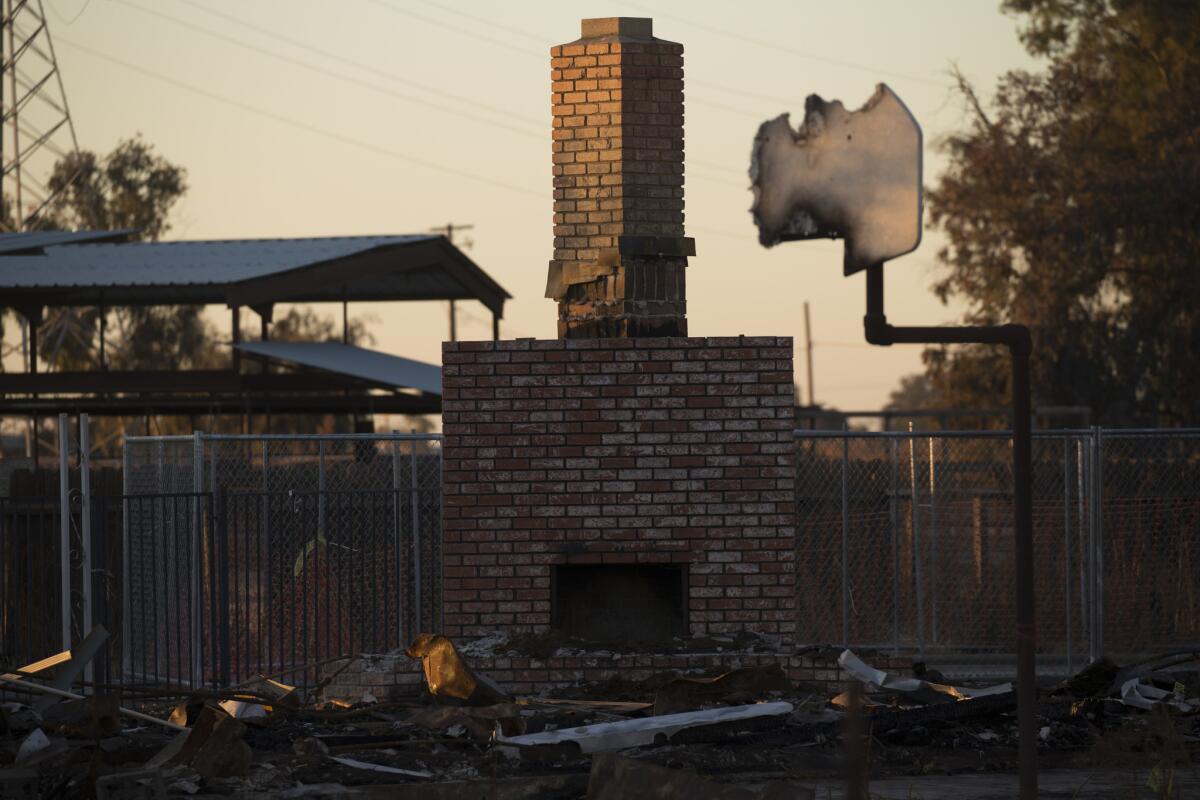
(617, 106)
(663, 450)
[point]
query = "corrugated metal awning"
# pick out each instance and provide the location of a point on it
(249, 272)
(369, 365)
(30, 242)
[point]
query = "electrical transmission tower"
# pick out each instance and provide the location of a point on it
(35, 132)
(36, 128)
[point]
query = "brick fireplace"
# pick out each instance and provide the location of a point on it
(665, 451)
(624, 481)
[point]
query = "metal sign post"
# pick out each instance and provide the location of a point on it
(856, 175)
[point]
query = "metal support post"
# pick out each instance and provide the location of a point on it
(64, 527)
(1019, 343)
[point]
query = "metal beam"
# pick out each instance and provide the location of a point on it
(272, 403)
(198, 381)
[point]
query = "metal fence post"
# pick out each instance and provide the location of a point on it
(64, 527)
(1094, 650)
(197, 591)
(933, 582)
(317, 556)
(895, 524)
(85, 543)
(1084, 602)
(845, 536)
(401, 611)
(268, 552)
(221, 660)
(321, 486)
(1100, 602)
(1067, 548)
(126, 604)
(916, 528)
(416, 537)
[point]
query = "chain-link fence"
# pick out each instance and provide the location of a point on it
(906, 541)
(261, 553)
(250, 554)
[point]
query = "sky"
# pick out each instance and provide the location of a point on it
(304, 118)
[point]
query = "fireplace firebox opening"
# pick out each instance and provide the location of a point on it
(627, 603)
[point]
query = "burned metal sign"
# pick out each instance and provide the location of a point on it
(853, 175)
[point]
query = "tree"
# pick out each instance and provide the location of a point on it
(302, 324)
(1071, 205)
(133, 188)
(914, 392)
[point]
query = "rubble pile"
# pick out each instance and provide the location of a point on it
(748, 732)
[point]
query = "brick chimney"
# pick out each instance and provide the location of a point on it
(619, 249)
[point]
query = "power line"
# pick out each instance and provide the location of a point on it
(491, 23)
(740, 172)
(786, 49)
(367, 146)
(436, 22)
(724, 182)
(349, 79)
(728, 109)
(362, 145)
(74, 19)
(721, 87)
(359, 64)
(322, 71)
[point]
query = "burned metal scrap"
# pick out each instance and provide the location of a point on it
(447, 674)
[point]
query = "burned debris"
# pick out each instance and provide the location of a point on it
(748, 732)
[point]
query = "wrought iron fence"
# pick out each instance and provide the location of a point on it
(30, 569)
(905, 541)
(249, 554)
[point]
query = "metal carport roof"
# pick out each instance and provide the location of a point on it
(358, 362)
(30, 242)
(247, 272)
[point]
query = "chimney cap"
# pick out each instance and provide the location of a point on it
(640, 27)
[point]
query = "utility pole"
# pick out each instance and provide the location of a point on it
(448, 231)
(808, 354)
